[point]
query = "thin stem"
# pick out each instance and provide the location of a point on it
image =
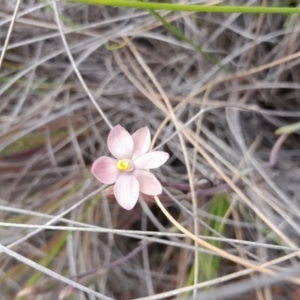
(115, 263)
(224, 186)
(87, 277)
(10, 31)
(73, 63)
(195, 8)
(274, 152)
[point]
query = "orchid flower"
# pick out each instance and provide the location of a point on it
(129, 171)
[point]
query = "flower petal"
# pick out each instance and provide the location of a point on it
(149, 184)
(105, 169)
(151, 160)
(120, 142)
(141, 139)
(127, 190)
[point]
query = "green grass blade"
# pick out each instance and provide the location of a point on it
(181, 36)
(194, 8)
(209, 264)
(288, 129)
(60, 242)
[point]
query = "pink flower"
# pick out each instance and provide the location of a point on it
(129, 171)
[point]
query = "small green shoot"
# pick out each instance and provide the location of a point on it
(209, 264)
(288, 129)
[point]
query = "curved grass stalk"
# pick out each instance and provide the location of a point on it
(221, 252)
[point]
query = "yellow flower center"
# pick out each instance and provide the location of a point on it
(124, 165)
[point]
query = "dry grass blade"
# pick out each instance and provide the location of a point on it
(9, 31)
